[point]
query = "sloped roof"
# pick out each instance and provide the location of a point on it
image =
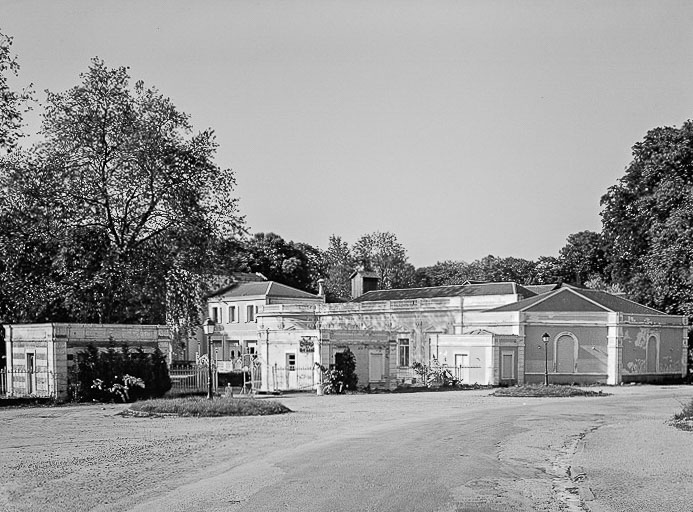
(266, 288)
(457, 290)
(542, 288)
(248, 276)
(364, 273)
(578, 299)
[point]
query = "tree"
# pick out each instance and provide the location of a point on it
(443, 273)
(583, 257)
(382, 253)
(339, 265)
(648, 221)
(12, 103)
(292, 263)
(118, 194)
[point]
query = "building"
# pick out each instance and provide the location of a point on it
(485, 333)
(40, 356)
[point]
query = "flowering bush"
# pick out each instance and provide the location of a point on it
(126, 375)
(118, 389)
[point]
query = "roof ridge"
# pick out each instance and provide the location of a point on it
(576, 292)
(625, 299)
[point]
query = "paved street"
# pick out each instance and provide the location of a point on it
(432, 451)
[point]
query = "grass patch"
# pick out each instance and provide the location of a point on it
(546, 391)
(201, 407)
(684, 419)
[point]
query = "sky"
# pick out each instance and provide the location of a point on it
(467, 128)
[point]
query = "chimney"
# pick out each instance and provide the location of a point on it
(321, 287)
(363, 281)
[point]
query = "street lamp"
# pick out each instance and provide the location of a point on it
(545, 338)
(208, 328)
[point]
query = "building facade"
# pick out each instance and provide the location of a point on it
(485, 333)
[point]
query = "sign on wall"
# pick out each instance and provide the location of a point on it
(307, 343)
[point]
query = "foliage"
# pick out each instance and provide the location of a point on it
(120, 390)
(201, 407)
(684, 420)
(294, 264)
(546, 391)
(582, 257)
(339, 265)
(332, 380)
(435, 373)
(103, 375)
(101, 220)
(12, 103)
(383, 253)
(345, 364)
(648, 221)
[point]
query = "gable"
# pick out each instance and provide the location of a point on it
(566, 301)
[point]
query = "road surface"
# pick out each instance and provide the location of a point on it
(452, 451)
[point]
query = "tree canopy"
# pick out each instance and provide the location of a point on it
(12, 103)
(117, 195)
(648, 221)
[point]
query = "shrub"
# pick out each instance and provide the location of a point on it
(201, 407)
(546, 391)
(684, 419)
(122, 375)
(345, 364)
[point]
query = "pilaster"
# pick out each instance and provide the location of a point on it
(614, 350)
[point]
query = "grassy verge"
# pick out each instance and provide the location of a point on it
(546, 391)
(684, 419)
(201, 407)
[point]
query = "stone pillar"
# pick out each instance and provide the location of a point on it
(614, 350)
(521, 360)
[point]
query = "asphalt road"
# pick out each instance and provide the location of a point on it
(493, 454)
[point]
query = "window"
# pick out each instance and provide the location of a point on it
(250, 313)
(217, 314)
(403, 351)
(291, 362)
(232, 315)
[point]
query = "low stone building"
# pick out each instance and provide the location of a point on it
(39, 356)
(484, 333)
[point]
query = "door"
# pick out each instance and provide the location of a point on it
(291, 378)
(507, 366)
(30, 373)
(462, 367)
(376, 365)
(565, 355)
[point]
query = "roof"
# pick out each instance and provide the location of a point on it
(579, 300)
(248, 276)
(542, 288)
(265, 288)
(365, 273)
(456, 290)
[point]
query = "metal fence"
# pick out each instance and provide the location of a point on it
(23, 382)
(194, 378)
(291, 378)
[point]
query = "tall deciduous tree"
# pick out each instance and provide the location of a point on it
(118, 195)
(12, 103)
(293, 263)
(383, 253)
(583, 257)
(339, 265)
(648, 221)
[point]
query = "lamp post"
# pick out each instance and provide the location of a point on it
(545, 338)
(208, 328)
